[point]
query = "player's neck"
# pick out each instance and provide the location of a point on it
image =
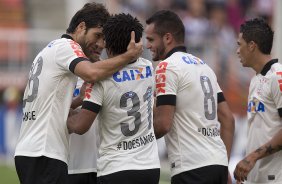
(261, 61)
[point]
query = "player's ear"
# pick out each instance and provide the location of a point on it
(81, 26)
(252, 45)
(167, 38)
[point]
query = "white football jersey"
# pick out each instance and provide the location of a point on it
(264, 100)
(194, 139)
(47, 100)
(83, 148)
(127, 140)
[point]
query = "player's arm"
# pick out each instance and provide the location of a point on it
(166, 90)
(163, 114)
(80, 122)
(245, 166)
(93, 72)
(227, 123)
(76, 102)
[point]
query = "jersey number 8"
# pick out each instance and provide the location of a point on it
(208, 92)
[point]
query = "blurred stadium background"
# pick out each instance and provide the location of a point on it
(26, 26)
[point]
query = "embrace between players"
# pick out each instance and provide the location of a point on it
(133, 104)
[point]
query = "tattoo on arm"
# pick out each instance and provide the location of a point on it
(246, 161)
(258, 150)
(269, 149)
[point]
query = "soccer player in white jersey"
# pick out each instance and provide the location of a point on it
(42, 149)
(82, 167)
(188, 106)
(263, 161)
(128, 152)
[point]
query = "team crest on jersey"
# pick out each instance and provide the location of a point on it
(129, 75)
(255, 106)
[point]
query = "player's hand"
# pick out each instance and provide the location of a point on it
(134, 50)
(243, 168)
(71, 113)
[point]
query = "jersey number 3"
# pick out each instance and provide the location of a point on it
(134, 110)
(33, 79)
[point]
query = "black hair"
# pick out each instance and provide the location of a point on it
(93, 14)
(117, 32)
(168, 22)
(258, 31)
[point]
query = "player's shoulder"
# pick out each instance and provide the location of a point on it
(184, 58)
(56, 44)
(275, 71)
(276, 67)
(176, 56)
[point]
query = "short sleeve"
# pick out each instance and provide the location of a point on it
(218, 89)
(93, 99)
(276, 89)
(94, 93)
(166, 79)
(69, 54)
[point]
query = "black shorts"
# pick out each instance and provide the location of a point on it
(150, 176)
(41, 170)
(83, 178)
(213, 174)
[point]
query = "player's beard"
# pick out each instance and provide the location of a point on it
(91, 56)
(159, 54)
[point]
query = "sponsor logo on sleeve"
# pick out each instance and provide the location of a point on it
(280, 80)
(88, 90)
(161, 77)
(77, 49)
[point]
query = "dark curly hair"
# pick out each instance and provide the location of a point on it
(117, 32)
(258, 31)
(93, 14)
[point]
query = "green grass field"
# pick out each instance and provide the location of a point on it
(8, 175)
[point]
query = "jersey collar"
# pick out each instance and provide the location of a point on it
(176, 49)
(267, 66)
(66, 36)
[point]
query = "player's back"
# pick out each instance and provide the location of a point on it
(194, 139)
(125, 120)
(46, 100)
